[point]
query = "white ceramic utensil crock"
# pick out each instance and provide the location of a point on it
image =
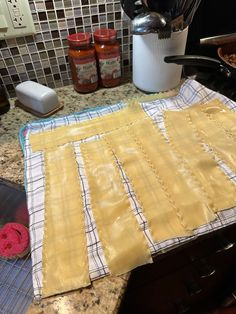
(150, 72)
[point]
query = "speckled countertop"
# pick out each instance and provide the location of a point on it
(11, 157)
(104, 295)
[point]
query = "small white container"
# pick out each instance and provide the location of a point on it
(150, 72)
(37, 97)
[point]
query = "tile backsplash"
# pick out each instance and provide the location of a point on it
(43, 56)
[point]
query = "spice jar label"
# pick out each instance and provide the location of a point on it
(110, 68)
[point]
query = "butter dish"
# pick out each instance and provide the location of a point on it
(36, 98)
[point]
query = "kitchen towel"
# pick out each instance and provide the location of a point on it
(190, 92)
(171, 208)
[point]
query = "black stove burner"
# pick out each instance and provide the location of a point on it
(214, 80)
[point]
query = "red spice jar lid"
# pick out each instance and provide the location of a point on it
(105, 34)
(79, 39)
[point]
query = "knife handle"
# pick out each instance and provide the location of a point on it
(218, 40)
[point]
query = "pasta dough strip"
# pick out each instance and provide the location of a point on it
(123, 241)
(151, 193)
(226, 121)
(193, 208)
(185, 138)
(65, 134)
(222, 144)
(65, 261)
(214, 106)
(220, 114)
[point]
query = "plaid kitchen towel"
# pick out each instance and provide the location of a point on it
(190, 92)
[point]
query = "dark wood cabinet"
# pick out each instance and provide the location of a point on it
(187, 279)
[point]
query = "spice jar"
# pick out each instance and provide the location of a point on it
(82, 58)
(108, 54)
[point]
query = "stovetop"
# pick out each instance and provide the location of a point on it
(214, 80)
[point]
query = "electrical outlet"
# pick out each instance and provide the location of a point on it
(18, 22)
(18, 19)
(16, 13)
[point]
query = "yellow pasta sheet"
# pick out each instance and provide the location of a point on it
(221, 142)
(65, 261)
(222, 116)
(185, 138)
(66, 134)
(226, 121)
(214, 106)
(192, 207)
(123, 241)
(170, 204)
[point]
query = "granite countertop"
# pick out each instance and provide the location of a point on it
(104, 295)
(11, 157)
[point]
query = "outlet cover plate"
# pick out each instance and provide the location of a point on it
(15, 19)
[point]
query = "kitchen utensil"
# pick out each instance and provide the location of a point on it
(172, 25)
(38, 99)
(174, 8)
(165, 32)
(218, 40)
(161, 6)
(224, 66)
(131, 7)
(187, 8)
(148, 22)
(150, 72)
(190, 10)
(177, 24)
